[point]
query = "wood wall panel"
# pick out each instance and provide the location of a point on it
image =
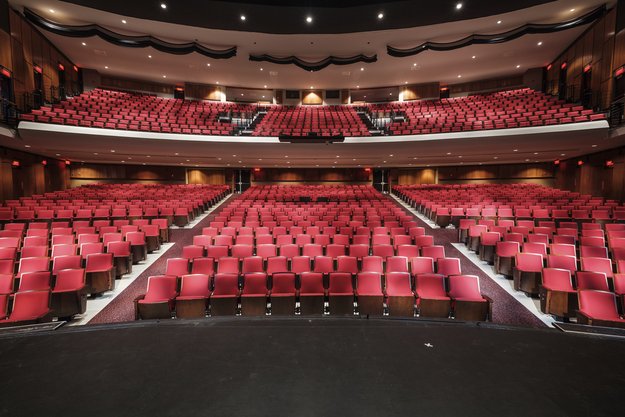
(311, 175)
(135, 85)
(204, 91)
(31, 177)
(486, 85)
(596, 46)
(420, 91)
(593, 177)
(206, 176)
(5, 50)
(415, 176)
(312, 97)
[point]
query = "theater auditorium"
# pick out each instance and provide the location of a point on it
(312, 208)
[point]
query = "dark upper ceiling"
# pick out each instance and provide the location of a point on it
(288, 16)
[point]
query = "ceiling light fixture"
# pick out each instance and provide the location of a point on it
(106, 67)
(539, 43)
(458, 6)
(380, 15)
(473, 57)
(84, 44)
(150, 56)
(309, 19)
(459, 76)
(208, 65)
(362, 68)
(124, 21)
(243, 17)
(499, 22)
(265, 86)
(52, 11)
(163, 6)
(164, 76)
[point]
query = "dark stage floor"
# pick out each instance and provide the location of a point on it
(317, 367)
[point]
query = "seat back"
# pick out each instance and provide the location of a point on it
(30, 305)
(598, 304)
(592, 281)
(465, 287)
(161, 288)
(557, 279)
(340, 283)
(35, 281)
(311, 283)
(430, 286)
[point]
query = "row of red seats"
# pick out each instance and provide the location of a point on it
(197, 295)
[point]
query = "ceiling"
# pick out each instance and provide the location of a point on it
(447, 67)
(289, 16)
(471, 148)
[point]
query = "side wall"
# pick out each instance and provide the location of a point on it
(31, 177)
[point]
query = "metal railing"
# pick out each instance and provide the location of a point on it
(8, 113)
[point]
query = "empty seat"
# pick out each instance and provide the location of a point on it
(369, 293)
(505, 257)
(592, 281)
(468, 303)
(528, 272)
(177, 267)
(69, 296)
(255, 293)
(311, 293)
(122, 257)
(341, 293)
(598, 308)
(432, 299)
(557, 295)
(159, 300)
(400, 298)
(100, 273)
(28, 307)
(283, 293)
(225, 294)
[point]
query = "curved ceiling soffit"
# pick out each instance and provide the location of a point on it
(314, 66)
(143, 41)
(476, 39)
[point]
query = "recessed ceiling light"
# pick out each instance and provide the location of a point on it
(263, 96)
(176, 154)
(123, 161)
(357, 86)
(309, 19)
(27, 146)
(380, 15)
(311, 87)
(243, 17)
(286, 156)
(414, 65)
(124, 21)
(265, 86)
(496, 157)
(106, 67)
(448, 153)
(384, 161)
(515, 150)
(52, 11)
(572, 10)
(473, 57)
(362, 68)
(164, 76)
(95, 153)
(208, 64)
(241, 93)
(535, 153)
(150, 56)
(163, 6)
(113, 150)
(459, 76)
(594, 146)
(84, 44)
(539, 43)
(458, 6)
(499, 22)
(261, 69)
(405, 82)
(562, 154)
(58, 154)
(518, 66)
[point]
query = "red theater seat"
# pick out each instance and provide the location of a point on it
(159, 300)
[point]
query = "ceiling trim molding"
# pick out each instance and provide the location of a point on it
(314, 66)
(478, 39)
(128, 41)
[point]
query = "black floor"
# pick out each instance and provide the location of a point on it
(317, 367)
